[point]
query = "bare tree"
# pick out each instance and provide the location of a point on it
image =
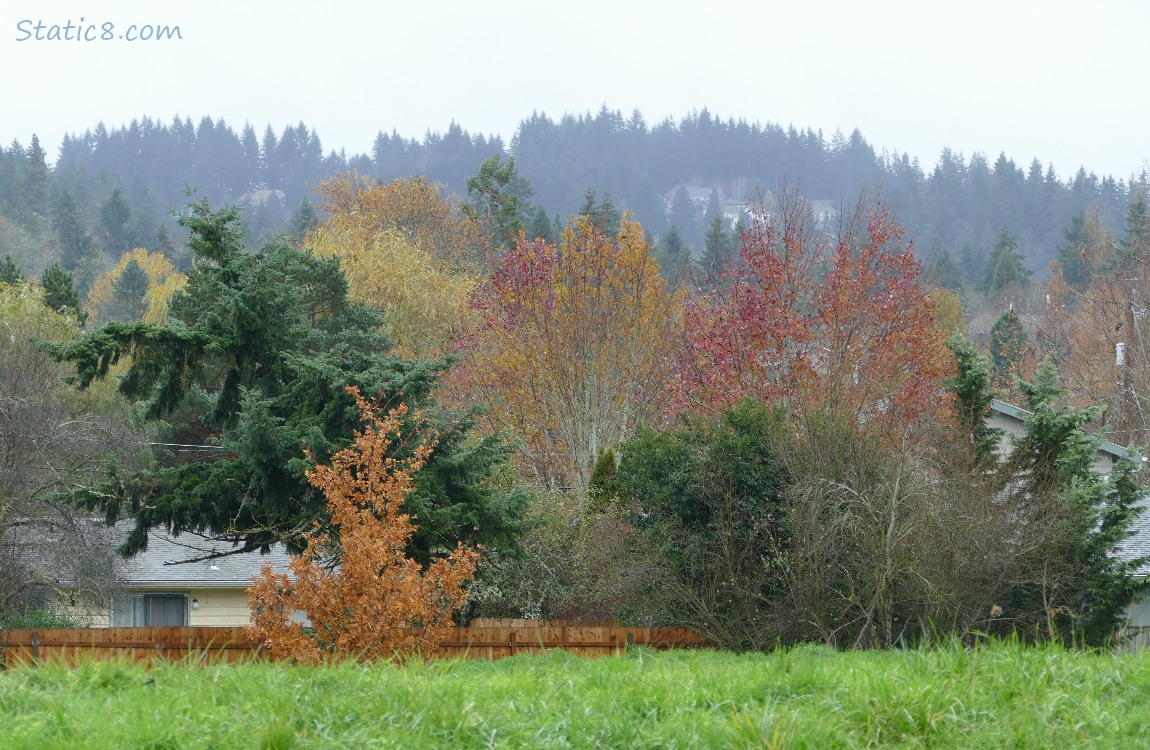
(52, 440)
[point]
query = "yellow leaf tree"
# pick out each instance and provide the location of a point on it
(407, 251)
(361, 595)
(162, 281)
(571, 347)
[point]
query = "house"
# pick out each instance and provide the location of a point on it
(1012, 421)
(159, 589)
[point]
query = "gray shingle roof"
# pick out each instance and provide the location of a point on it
(154, 566)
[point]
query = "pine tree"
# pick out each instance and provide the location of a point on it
(35, 183)
(75, 244)
(305, 220)
(58, 292)
(130, 288)
(718, 252)
(10, 272)
(114, 216)
(1076, 587)
(1009, 349)
(974, 392)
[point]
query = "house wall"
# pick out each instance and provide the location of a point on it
(219, 607)
(1012, 427)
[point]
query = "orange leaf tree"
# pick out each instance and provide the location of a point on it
(815, 320)
(378, 603)
(572, 346)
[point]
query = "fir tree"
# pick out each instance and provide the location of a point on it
(10, 272)
(59, 295)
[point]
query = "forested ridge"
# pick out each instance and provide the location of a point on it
(960, 203)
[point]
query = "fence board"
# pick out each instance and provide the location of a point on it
(229, 644)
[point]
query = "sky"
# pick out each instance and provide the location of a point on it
(1060, 82)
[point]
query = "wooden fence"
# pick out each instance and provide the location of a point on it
(487, 640)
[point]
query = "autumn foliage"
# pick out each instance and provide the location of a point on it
(815, 320)
(407, 251)
(376, 603)
(163, 282)
(572, 346)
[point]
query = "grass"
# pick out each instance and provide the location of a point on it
(1003, 695)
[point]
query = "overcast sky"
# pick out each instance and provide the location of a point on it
(1063, 82)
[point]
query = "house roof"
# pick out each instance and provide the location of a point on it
(1107, 447)
(1138, 543)
(161, 563)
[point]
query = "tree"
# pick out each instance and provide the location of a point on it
(370, 606)
(36, 173)
(974, 393)
(385, 236)
(843, 324)
(252, 366)
(59, 295)
(10, 272)
(602, 214)
(1070, 522)
(1004, 272)
(140, 287)
(710, 500)
(427, 215)
(570, 346)
(719, 249)
(1009, 350)
(75, 243)
(305, 220)
(114, 216)
(674, 258)
(944, 272)
(497, 200)
(52, 441)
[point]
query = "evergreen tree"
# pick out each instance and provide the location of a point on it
(1009, 349)
(1071, 253)
(603, 214)
(75, 243)
(674, 257)
(541, 227)
(1004, 270)
(1077, 587)
(944, 272)
(58, 292)
(974, 392)
(10, 272)
(305, 220)
(1135, 246)
(114, 216)
(256, 360)
(718, 252)
(130, 288)
(497, 199)
(35, 183)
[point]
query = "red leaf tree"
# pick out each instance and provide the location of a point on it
(818, 320)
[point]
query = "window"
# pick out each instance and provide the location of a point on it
(150, 610)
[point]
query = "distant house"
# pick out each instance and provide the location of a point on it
(159, 590)
(260, 197)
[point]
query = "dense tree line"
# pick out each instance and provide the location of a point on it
(960, 205)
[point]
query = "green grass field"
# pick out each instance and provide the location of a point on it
(809, 697)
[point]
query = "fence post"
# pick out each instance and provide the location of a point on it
(35, 646)
(511, 643)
